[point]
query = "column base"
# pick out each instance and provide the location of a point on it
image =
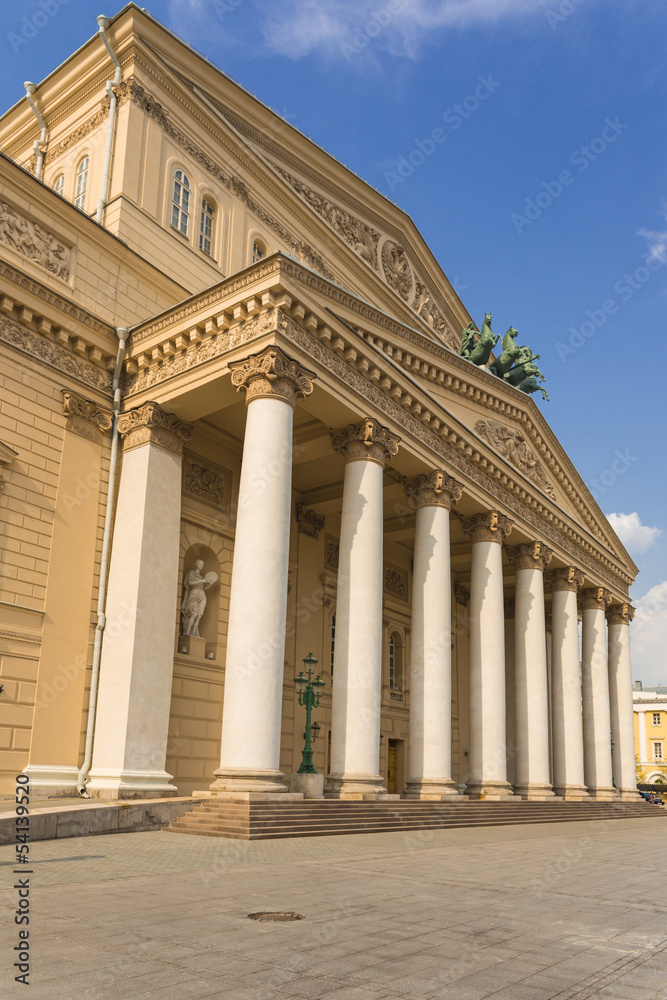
(534, 793)
(629, 794)
(236, 779)
(603, 794)
(492, 791)
(572, 793)
(355, 787)
(107, 783)
(433, 790)
(52, 780)
(240, 796)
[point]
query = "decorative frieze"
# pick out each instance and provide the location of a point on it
(206, 482)
(308, 521)
(149, 424)
(331, 552)
(54, 356)
(512, 445)
(620, 614)
(490, 526)
(531, 555)
(395, 582)
(435, 489)
(367, 440)
(86, 418)
(595, 598)
(272, 374)
(32, 241)
(565, 578)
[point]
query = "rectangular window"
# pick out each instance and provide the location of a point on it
(656, 718)
(657, 751)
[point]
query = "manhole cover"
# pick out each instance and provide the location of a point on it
(266, 915)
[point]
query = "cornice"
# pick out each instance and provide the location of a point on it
(62, 359)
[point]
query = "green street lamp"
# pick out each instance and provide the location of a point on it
(309, 692)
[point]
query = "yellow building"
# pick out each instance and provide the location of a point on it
(217, 344)
(650, 712)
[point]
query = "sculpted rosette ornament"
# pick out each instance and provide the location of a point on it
(433, 489)
(366, 440)
(272, 374)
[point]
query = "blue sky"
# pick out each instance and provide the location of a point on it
(526, 138)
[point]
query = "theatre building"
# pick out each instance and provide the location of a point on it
(236, 429)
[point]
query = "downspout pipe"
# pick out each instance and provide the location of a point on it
(39, 144)
(103, 24)
(122, 333)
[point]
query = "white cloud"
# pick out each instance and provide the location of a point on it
(656, 239)
(339, 28)
(636, 537)
(649, 637)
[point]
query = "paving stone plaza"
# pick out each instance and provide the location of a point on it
(561, 911)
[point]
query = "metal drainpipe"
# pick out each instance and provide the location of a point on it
(38, 144)
(103, 24)
(122, 334)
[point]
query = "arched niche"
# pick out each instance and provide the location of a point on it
(208, 625)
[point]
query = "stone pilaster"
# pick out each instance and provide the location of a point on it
(86, 418)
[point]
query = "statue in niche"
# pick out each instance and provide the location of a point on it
(194, 598)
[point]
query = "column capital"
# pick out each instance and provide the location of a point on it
(530, 555)
(367, 440)
(565, 578)
(620, 614)
(490, 526)
(462, 594)
(509, 607)
(433, 489)
(596, 598)
(84, 417)
(150, 424)
(271, 374)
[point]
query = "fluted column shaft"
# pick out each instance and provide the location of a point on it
(355, 728)
(488, 750)
(530, 672)
(619, 617)
(595, 678)
(252, 706)
(430, 759)
(568, 739)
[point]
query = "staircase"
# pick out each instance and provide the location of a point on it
(331, 817)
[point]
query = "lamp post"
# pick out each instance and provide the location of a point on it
(309, 692)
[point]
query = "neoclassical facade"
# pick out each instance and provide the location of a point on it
(236, 429)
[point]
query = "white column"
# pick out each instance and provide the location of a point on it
(355, 725)
(595, 677)
(430, 749)
(252, 706)
(510, 734)
(619, 617)
(488, 750)
(136, 668)
(568, 738)
(547, 621)
(641, 736)
(530, 672)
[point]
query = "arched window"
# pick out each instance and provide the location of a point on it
(395, 662)
(59, 184)
(206, 226)
(332, 643)
(258, 251)
(81, 183)
(180, 202)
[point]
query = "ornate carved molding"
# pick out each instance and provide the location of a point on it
(150, 424)
(596, 598)
(397, 270)
(367, 440)
(620, 614)
(32, 241)
(435, 489)
(308, 521)
(489, 526)
(509, 608)
(85, 418)
(331, 552)
(512, 445)
(54, 356)
(461, 594)
(205, 481)
(273, 375)
(395, 582)
(530, 555)
(565, 578)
